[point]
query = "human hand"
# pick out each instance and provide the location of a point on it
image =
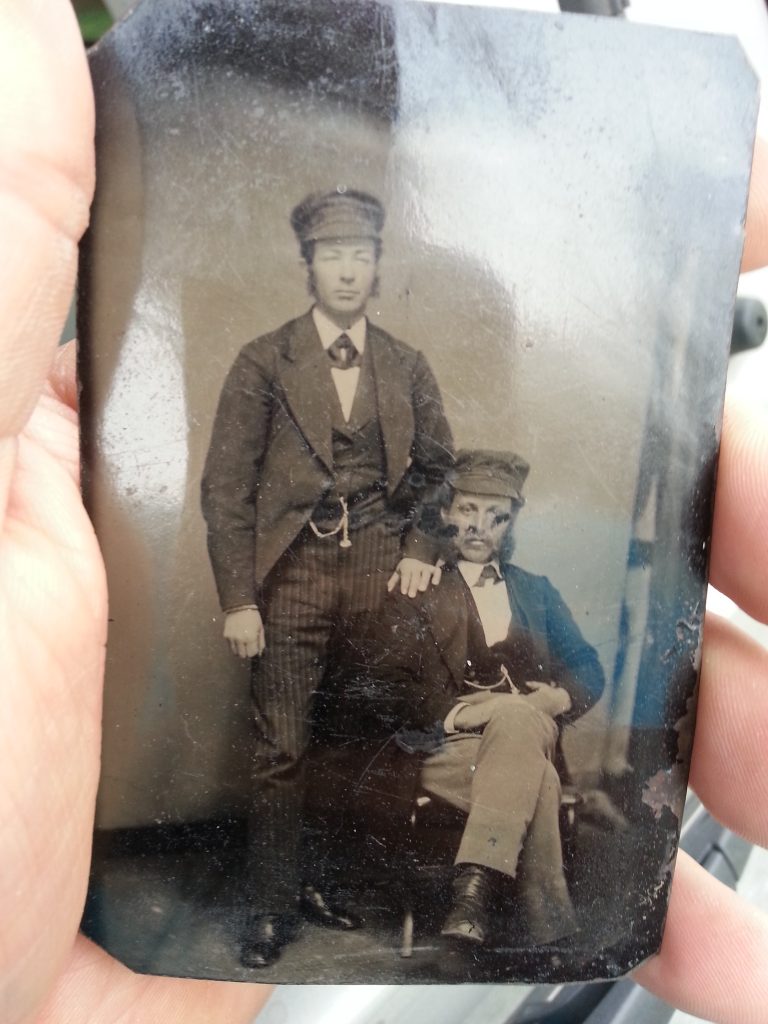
(481, 708)
(52, 588)
(245, 631)
(713, 959)
(552, 700)
(414, 576)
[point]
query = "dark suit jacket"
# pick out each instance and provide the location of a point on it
(420, 660)
(270, 460)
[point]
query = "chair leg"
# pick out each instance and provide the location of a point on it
(406, 945)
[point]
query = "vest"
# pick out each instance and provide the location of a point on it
(359, 459)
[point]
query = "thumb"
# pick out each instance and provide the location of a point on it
(46, 183)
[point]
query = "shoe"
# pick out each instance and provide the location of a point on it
(266, 935)
(317, 908)
(470, 917)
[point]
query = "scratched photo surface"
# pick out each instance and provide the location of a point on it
(380, 296)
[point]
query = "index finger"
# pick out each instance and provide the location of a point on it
(756, 228)
(739, 534)
(46, 185)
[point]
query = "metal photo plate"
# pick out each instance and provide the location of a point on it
(404, 329)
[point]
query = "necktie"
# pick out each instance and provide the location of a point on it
(489, 573)
(344, 353)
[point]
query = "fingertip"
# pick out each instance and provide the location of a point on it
(740, 527)
(729, 770)
(715, 946)
(46, 185)
(63, 376)
(46, 104)
(756, 227)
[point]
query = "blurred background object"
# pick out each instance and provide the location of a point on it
(95, 18)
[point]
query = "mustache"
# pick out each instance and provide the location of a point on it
(452, 531)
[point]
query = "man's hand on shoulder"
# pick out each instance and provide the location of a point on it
(414, 576)
(244, 630)
(552, 700)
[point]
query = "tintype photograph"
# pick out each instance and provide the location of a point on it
(403, 340)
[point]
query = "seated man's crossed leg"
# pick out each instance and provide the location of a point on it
(504, 780)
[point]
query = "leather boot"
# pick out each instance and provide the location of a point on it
(265, 936)
(469, 920)
(320, 909)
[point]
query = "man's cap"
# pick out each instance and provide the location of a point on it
(338, 215)
(490, 473)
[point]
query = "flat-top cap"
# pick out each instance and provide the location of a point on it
(337, 216)
(490, 473)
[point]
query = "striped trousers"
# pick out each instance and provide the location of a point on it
(314, 591)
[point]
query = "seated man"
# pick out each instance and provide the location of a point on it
(479, 674)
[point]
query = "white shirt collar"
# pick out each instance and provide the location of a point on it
(329, 331)
(471, 570)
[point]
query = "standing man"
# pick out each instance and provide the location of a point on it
(327, 436)
(479, 674)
